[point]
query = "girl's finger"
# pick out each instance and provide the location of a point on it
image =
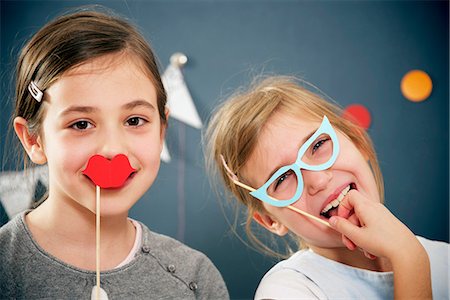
(354, 220)
(369, 255)
(348, 243)
(344, 210)
(347, 205)
(345, 227)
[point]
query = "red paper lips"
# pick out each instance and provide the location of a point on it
(108, 173)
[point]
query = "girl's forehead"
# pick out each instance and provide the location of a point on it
(114, 78)
(278, 144)
(288, 123)
(106, 63)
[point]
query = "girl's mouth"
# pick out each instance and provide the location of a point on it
(331, 208)
(125, 183)
(107, 173)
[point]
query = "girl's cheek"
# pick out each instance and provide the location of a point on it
(76, 155)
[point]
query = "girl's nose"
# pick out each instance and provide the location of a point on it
(112, 143)
(316, 181)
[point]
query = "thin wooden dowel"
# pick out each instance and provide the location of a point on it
(244, 186)
(97, 241)
(289, 206)
(309, 215)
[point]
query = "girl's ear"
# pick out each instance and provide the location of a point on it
(266, 221)
(166, 112)
(162, 135)
(164, 127)
(31, 143)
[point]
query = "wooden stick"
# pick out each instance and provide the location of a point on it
(244, 186)
(309, 215)
(97, 241)
(289, 206)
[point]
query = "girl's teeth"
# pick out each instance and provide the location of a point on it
(335, 202)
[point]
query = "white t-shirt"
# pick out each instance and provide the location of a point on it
(136, 245)
(307, 275)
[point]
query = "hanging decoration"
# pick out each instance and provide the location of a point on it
(179, 100)
(416, 86)
(358, 114)
(18, 189)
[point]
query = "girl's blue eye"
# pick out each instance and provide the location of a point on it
(135, 121)
(282, 178)
(81, 125)
(319, 144)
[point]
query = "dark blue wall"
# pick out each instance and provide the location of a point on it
(356, 52)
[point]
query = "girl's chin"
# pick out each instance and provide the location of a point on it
(108, 210)
(112, 214)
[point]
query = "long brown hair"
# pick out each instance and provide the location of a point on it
(235, 127)
(69, 41)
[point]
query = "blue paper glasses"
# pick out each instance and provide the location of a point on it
(285, 186)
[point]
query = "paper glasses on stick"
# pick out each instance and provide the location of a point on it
(285, 186)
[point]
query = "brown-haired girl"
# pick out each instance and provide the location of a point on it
(87, 84)
(300, 168)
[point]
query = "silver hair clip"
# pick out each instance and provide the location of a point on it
(35, 91)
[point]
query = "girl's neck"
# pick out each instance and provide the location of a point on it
(67, 231)
(354, 258)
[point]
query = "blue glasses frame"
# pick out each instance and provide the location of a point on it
(261, 193)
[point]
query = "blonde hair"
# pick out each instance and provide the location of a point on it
(236, 125)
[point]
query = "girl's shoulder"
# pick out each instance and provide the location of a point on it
(439, 255)
(12, 234)
(433, 245)
(191, 266)
(14, 244)
(173, 253)
(294, 261)
(165, 247)
(307, 274)
(285, 281)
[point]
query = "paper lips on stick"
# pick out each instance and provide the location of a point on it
(108, 173)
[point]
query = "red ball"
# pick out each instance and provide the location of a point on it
(358, 114)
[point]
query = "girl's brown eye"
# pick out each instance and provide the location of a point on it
(81, 125)
(135, 121)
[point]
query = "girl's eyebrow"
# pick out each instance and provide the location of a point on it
(80, 109)
(302, 142)
(136, 103)
(91, 109)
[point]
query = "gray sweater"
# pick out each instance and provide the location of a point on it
(163, 269)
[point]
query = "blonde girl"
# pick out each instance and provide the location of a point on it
(299, 168)
(87, 84)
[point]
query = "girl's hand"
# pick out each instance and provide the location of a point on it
(372, 227)
(380, 233)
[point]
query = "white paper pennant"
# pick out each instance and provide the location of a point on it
(179, 100)
(17, 188)
(165, 155)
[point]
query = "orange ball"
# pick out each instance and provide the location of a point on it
(416, 86)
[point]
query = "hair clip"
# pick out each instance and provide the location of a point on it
(35, 91)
